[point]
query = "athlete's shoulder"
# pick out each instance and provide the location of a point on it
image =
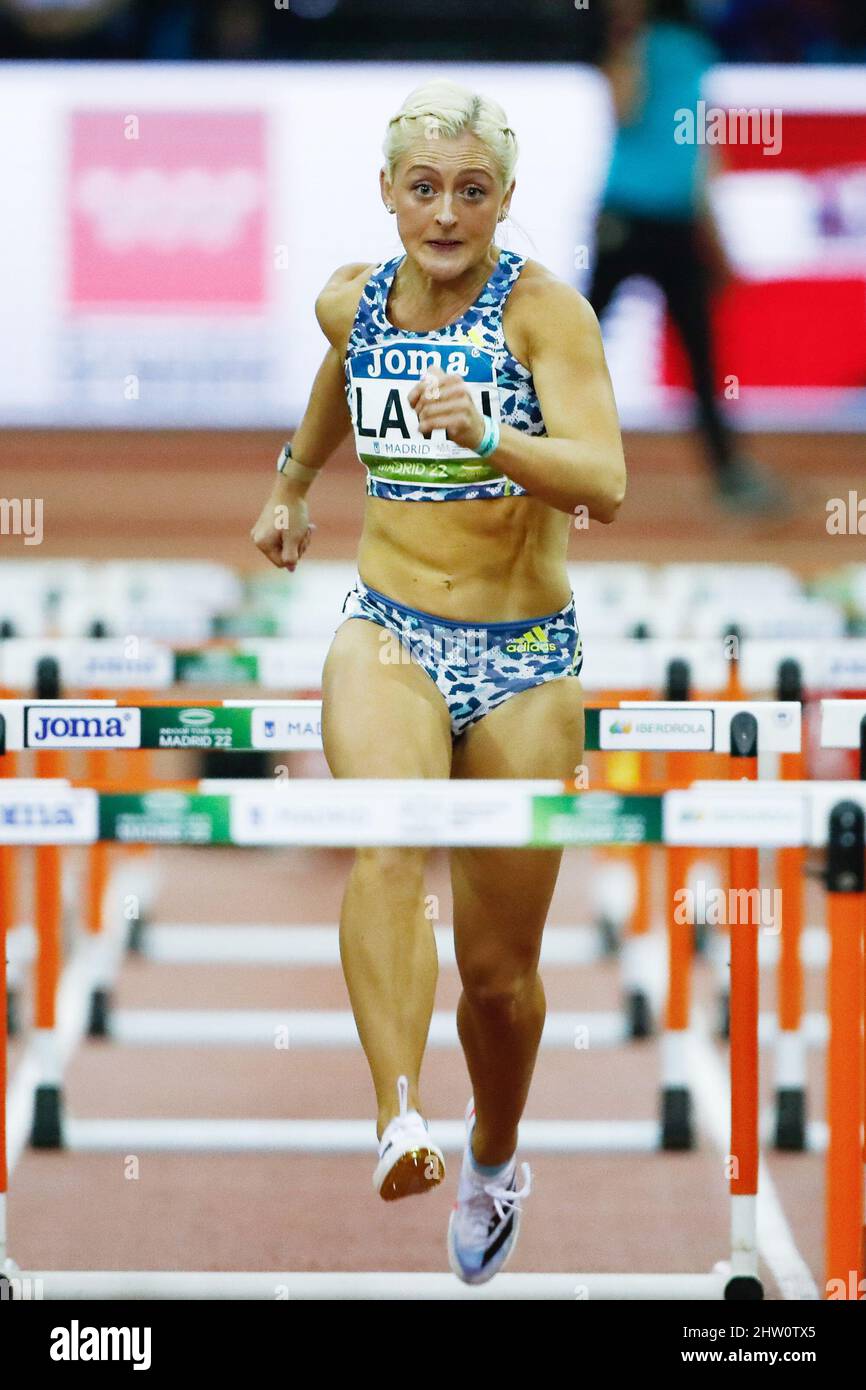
(546, 306)
(539, 289)
(337, 301)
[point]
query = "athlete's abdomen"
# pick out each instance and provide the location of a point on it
(489, 559)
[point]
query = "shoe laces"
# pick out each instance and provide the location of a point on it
(505, 1200)
(406, 1120)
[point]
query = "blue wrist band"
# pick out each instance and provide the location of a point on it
(489, 439)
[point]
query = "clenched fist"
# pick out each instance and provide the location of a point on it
(442, 402)
(283, 530)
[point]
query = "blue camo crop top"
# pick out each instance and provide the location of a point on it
(383, 363)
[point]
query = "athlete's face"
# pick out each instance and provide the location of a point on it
(448, 195)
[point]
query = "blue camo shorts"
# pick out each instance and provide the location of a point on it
(477, 666)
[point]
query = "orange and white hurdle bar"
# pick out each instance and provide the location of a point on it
(532, 814)
(295, 724)
(617, 668)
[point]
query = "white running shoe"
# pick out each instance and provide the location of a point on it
(409, 1161)
(482, 1231)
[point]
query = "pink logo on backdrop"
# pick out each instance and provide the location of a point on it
(173, 218)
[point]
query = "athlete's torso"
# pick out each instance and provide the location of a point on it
(383, 363)
(496, 558)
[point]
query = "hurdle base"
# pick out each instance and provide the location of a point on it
(790, 1132)
(136, 938)
(13, 1014)
(608, 936)
(47, 1129)
(638, 1015)
(723, 1018)
(677, 1130)
(99, 1013)
(744, 1288)
(152, 1285)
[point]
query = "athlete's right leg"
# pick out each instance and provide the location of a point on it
(383, 717)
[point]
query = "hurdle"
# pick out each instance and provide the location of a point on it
(86, 660)
(833, 815)
(613, 666)
(469, 813)
(463, 814)
(292, 724)
(714, 595)
(83, 1284)
(843, 725)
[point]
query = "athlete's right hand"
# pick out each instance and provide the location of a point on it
(283, 530)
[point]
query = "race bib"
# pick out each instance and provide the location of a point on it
(387, 436)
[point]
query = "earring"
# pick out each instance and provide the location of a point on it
(389, 207)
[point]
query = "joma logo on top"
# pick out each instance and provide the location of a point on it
(83, 728)
(414, 362)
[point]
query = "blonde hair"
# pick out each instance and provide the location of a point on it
(445, 108)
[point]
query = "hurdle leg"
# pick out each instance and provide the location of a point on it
(744, 1283)
(137, 771)
(98, 771)
(627, 770)
(619, 772)
(48, 914)
(790, 1130)
(4, 1173)
(845, 1062)
(791, 1042)
(8, 896)
(677, 1130)
(639, 1022)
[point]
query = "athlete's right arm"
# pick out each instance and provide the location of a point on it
(282, 531)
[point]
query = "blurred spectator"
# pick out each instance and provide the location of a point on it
(69, 28)
(852, 30)
(787, 31)
(430, 30)
(236, 30)
(168, 29)
(656, 220)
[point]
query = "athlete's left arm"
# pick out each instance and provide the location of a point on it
(580, 462)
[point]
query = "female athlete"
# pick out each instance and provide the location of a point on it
(476, 386)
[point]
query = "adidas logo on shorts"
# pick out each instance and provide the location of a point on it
(533, 640)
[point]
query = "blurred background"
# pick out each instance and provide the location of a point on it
(178, 180)
(181, 178)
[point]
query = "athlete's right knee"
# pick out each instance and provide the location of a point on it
(399, 865)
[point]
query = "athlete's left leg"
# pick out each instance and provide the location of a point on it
(501, 898)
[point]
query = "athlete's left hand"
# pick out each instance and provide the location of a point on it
(441, 401)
